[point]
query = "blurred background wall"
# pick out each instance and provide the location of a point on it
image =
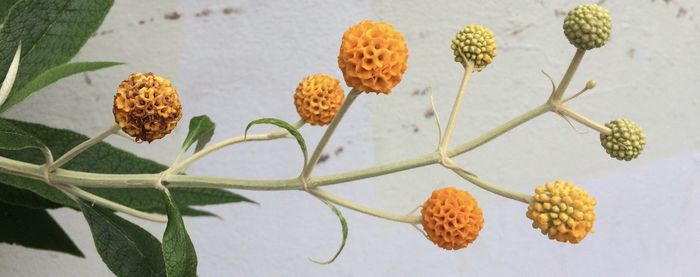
(241, 60)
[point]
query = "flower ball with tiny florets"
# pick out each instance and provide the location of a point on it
(562, 211)
(373, 56)
(588, 26)
(452, 218)
(146, 106)
(625, 142)
(318, 98)
(477, 44)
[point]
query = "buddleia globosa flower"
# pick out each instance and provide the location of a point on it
(146, 106)
(562, 211)
(477, 44)
(373, 57)
(452, 218)
(318, 98)
(588, 26)
(625, 142)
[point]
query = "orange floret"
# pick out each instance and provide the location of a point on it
(452, 218)
(373, 57)
(562, 211)
(146, 106)
(318, 98)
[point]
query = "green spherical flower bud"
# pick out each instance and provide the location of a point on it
(588, 26)
(626, 140)
(475, 43)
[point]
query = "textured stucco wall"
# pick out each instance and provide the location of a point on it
(240, 60)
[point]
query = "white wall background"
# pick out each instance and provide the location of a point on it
(241, 60)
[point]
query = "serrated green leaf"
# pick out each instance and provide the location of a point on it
(201, 131)
(178, 250)
(51, 33)
(34, 228)
(344, 225)
(104, 158)
(125, 248)
(52, 75)
(282, 124)
(10, 77)
(24, 198)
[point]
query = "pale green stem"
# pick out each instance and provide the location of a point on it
(496, 132)
(468, 70)
(410, 219)
(75, 151)
(84, 179)
(494, 188)
(94, 199)
(589, 85)
(181, 166)
(584, 120)
(48, 158)
(555, 98)
(309, 168)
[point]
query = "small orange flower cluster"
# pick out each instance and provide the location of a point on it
(146, 106)
(318, 98)
(452, 218)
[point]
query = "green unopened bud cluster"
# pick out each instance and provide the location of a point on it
(626, 140)
(588, 26)
(477, 44)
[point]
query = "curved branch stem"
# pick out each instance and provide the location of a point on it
(564, 83)
(183, 165)
(584, 120)
(75, 151)
(309, 168)
(410, 219)
(468, 70)
(73, 190)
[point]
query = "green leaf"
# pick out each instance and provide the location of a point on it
(282, 124)
(13, 138)
(178, 250)
(52, 75)
(24, 198)
(125, 248)
(5, 6)
(103, 158)
(51, 33)
(344, 225)
(34, 228)
(201, 131)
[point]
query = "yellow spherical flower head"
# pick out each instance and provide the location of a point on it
(146, 106)
(318, 98)
(452, 218)
(588, 26)
(373, 57)
(477, 44)
(562, 211)
(625, 142)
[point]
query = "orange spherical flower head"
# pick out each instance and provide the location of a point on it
(452, 218)
(562, 211)
(373, 57)
(146, 106)
(318, 98)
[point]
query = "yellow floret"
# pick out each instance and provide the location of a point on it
(562, 211)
